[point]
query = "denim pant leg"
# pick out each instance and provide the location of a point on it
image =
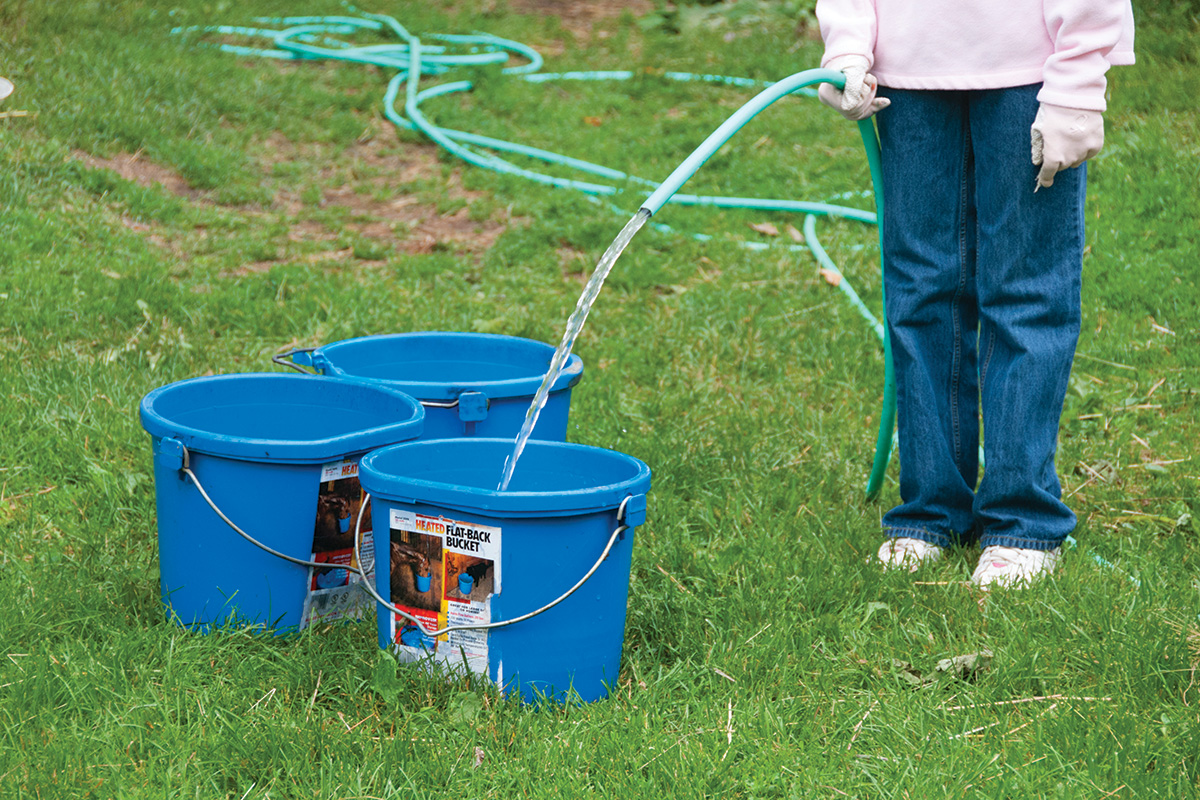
(929, 231)
(1029, 271)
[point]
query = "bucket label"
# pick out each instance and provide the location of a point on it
(333, 593)
(443, 572)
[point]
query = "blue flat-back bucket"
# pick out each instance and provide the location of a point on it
(522, 548)
(472, 384)
(257, 443)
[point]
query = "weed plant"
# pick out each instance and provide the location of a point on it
(765, 657)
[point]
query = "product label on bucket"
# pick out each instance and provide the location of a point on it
(333, 592)
(444, 573)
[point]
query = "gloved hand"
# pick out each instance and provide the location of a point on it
(6, 88)
(857, 101)
(1064, 138)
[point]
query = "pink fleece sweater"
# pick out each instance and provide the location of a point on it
(1067, 45)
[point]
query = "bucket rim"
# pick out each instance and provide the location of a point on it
(157, 422)
(396, 488)
(525, 386)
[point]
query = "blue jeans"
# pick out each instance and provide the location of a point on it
(982, 281)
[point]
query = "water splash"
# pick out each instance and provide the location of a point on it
(574, 326)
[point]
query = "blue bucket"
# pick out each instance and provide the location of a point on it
(521, 549)
(471, 384)
(258, 444)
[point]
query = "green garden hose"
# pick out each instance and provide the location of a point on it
(314, 38)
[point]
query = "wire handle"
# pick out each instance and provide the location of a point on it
(472, 406)
(366, 584)
(283, 360)
(280, 359)
(616, 534)
(186, 469)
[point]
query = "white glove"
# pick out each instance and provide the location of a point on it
(857, 101)
(6, 88)
(1064, 138)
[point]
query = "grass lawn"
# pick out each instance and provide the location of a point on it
(168, 210)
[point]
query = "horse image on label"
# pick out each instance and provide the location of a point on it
(410, 561)
(332, 509)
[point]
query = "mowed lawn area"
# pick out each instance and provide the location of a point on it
(169, 210)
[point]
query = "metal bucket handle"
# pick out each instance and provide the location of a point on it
(632, 511)
(288, 360)
(472, 405)
(622, 511)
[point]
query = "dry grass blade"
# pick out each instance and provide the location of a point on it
(858, 727)
(1037, 699)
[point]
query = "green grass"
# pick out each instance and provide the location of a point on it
(764, 657)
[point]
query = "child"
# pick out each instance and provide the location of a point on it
(991, 111)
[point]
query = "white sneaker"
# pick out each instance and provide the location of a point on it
(908, 554)
(1009, 566)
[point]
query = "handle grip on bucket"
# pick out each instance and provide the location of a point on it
(472, 406)
(630, 514)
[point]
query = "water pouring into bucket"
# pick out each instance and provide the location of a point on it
(574, 325)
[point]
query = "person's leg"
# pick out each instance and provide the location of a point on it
(929, 277)
(1028, 280)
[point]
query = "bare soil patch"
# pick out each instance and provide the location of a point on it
(413, 226)
(368, 180)
(132, 167)
(580, 16)
(372, 180)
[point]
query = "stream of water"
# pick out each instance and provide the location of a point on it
(574, 326)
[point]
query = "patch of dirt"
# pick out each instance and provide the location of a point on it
(413, 226)
(152, 234)
(310, 231)
(372, 180)
(580, 16)
(381, 211)
(573, 263)
(132, 167)
(323, 257)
